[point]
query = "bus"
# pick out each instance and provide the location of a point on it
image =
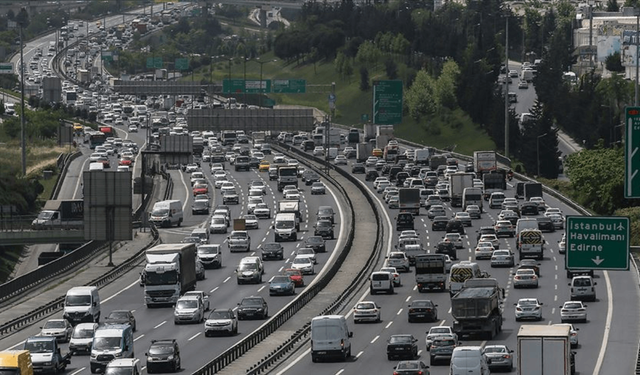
(95, 139)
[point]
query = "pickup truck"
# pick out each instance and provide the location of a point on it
(239, 240)
(46, 355)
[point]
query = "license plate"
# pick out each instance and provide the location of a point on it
(322, 353)
(420, 316)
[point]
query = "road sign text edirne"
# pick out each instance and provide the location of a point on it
(600, 243)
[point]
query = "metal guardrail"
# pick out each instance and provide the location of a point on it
(287, 312)
(68, 158)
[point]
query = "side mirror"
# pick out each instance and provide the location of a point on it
(350, 334)
(595, 283)
(541, 303)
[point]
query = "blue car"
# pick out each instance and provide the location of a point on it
(282, 285)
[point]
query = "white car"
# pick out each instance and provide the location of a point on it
(455, 238)
(397, 280)
(502, 258)
(380, 180)
(340, 160)
(573, 331)
(190, 168)
(484, 250)
(382, 185)
(490, 238)
(528, 308)
(132, 128)
(438, 331)
(293, 195)
(252, 203)
(525, 277)
(366, 311)
(573, 311)
(304, 264)
(307, 252)
(398, 260)
(262, 211)
(221, 320)
(250, 221)
(318, 151)
(371, 162)
(408, 234)
(552, 210)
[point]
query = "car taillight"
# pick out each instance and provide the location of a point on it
(506, 356)
(518, 309)
(574, 333)
(342, 343)
(517, 277)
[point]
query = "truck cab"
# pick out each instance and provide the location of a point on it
(46, 355)
(16, 362)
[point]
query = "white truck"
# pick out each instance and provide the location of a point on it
(363, 151)
(421, 156)
(170, 271)
(484, 162)
(431, 272)
(457, 183)
(369, 132)
(284, 227)
(544, 349)
(60, 214)
(332, 138)
(290, 207)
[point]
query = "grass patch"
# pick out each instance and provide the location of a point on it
(9, 256)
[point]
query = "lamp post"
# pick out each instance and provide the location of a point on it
(506, 85)
(591, 2)
(229, 78)
(538, 150)
(244, 81)
(262, 88)
(23, 134)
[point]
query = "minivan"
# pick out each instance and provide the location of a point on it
(167, 213)
(468, 360)
(82, 304)
(330, 338)
(82, 337)
(110, 341)
(583, 288)
(326, 213)
(496, 199)
(381, 281)
(250, 270)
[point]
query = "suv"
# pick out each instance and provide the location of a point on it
(253, 307)
(189, 309)
(163, 354)
(455, 226)
(448, 248)
(442, 348)
(239, 240)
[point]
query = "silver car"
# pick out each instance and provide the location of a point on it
(525, 278)
(502, 258)
(61, 329)
(501, 357)
(528, 308)
(189, 309)
(399, 260)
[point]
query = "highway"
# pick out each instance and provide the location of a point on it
(608, 342)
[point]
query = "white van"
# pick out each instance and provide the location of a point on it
(496, 199)
(333, 152)
(468, 360)
(96, 166)
(82, 304)
(250, 270)
(381, 281)
(284, 228)
(110, 341)
(462, 272)
(82, 337)
(330, 337)
(526, 223)
(583, 288)
(167, 213)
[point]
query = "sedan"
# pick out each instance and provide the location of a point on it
(295, 276)
(455, 239)
(61, 329)
(502, 258)
(122, 317)
(484, 250)
(473, 211)
(304, 264)
(436, 210)
(501, 357)
(573, 311)
(557, 220)
(133, 129)
(281, 285)
(394, 202)
(324, 228)
(464, 217)
(399, 346)
(262, 211)
(528, 308)
(504, 227)
(221, 321)
(200, 189)
(573, 331)
(397, 280)
(422, 310)
(253, 307)
(316, 243)
(531, 264)
(490, 238)
(366, 311)
(318, 188)
(250, 221)
(525, 278)
(411, 368)
(398, 260)
(307, 252)
(340, 160)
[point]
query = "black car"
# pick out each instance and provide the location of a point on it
(529, 209)
(254, 162)
(530, 264)
(423, 309)
(254, 307)
(411, 368)
(200, 207)
(545, 224)
(485, 230)
(163, 355)
(447, 247)
(401, 177)
(358, 168)
(316, 243)
(323, 228)
(310, 178)
(455, 226)
(439, 223)
(122, 317)
(272, 250)
(371, 175)
(402, 346)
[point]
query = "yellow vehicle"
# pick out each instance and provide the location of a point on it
(78, 128)
(16, 362)
(377, 152)
(264, 166)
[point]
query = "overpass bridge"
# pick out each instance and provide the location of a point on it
(24, 237)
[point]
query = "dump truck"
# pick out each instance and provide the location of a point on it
(60, 214)
(493, 182)
(16, 362)
(532, 189)
(476, 308)
(409, 200)
(46, 355)
(170, 271)
(431, 272)
(457, 183)
(484, 162)
(437, 160)
(544, 349)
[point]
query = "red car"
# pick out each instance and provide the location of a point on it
(125, 161)
(200, 189)
(295, 276)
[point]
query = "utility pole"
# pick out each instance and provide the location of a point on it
(506, 89)
(23, 134)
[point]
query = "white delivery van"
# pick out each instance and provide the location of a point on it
(333, 152)
(96, 166)
(82, 337)
(82, 305)
(110, 341)
(468, 360)
(284, 228)
(330, 337)
(167, 213)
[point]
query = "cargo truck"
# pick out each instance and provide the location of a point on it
(353, 136)
(476, 308)
(287, 176)
(484, 162)
(409, 200)
(493, 182)
(431, 272)
(46, 356)
(437, 160)
(544, 349)
(363, 151)
(16, 362)
(458, 182)
(421, 156)
(170, 272)
(369, 132)
(60, 214)
(290, 207)
(198, 145)
(331, 138)
(382, 141)
(532, 189)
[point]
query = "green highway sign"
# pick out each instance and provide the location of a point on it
(6, 68)
(107, 55)
(154, 62)
(387, 102)
(182, 63)
(631, 154)
(597, 243)
(289, 86)
(240, 86)
(364, 117)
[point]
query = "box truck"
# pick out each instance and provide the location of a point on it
(60, 214)
(170, 271)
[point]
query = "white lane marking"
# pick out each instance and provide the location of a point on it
(186, 191)
(139, 337)
(359, 354)
(399, 312)
(261, 288)
(553, 311)
(227, 279)
(555, 298)
(607, 326)
(340, 372)
(214, 289)
(389, 324)
(194, 336)
(160, 325)
(120, 291)
(79, 370)
(407, 299)
(374, 339)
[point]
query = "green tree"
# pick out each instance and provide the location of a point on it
(368, 54)
(613, 63)
(446, 85)
(391, 68)
(420, 97)
(365, 85)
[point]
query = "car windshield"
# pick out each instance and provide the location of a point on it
(105, 343)
(572, 305)
(248, 267)
(82, 300)
(436, 330)
(208, 250)
(400, 339)
(495, 349)
(421, 304)
(314, 240)
(251, 302)
(54, 324)
(118, 315)
(284, 224)
(396, 256)
(306, 252)
(280, 279)
(39, 346)
(301, 261)
(221, 315)
(527, 302)
(82, 333)
(118, 371)
(160, 350)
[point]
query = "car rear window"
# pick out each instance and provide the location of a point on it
(380, 276)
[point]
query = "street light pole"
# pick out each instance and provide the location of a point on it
(538, 150)
(506, 90)
(23, 134)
